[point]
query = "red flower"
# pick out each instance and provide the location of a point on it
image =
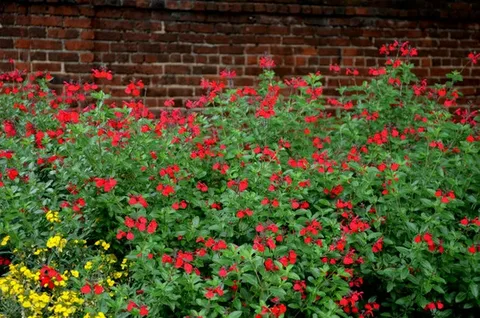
(138, 199)
(270, 265)
(167, 259)
(152, 227)
(86, 289)
(98, 289)
(222, 272)
(202, 186)
(266, 62)
(472, 249)
(129, 222)
(143, 310)
(131, 305)
(12, 174)
(107, 184)
(134, 88)
(209, 294)
(102, 73)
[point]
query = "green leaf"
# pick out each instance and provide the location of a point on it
(460, 297)
(249, 278)
(390, 286)
(235, 314)
(474, 289)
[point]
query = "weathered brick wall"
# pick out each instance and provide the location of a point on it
(172, 44)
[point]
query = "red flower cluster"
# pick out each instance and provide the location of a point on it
(143, 310)
(289, 259)
(276, 311)
(134, 88)
(311, 229)
(378, 245)
(349, 303)
(211, 292)
(102, 73)
(434, 305)
(242, 184)
(107, 184)
(446, 197)
(242, 213)
(182, 260)
(165, 189)
(87, 289)
(48, 277)
(427, 238)
(466, 221)
(140, 224)
(138, 199)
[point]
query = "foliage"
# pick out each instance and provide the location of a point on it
(261, 204)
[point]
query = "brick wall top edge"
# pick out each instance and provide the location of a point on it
(404, 9)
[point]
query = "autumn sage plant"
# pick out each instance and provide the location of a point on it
(255, 202)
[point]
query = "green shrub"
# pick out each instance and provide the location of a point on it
(261, 204)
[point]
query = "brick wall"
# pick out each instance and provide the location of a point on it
(172, 44)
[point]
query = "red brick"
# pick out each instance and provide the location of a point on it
(77, 22)
(45, 21)
(36, 32)
(108, 12)
(22, 44)
(206, 69)
(268, 39)
(149, 69)
(177, 69)
(86, 57)
(6, 43)
(217, 39)
(156, 91)
(136, 37)
(13, 31)
(66, 10)
(350, 52)
(293, 40)
(107, 36)
(63, 33)
(205, 49)
(213, 59)
(52, 67)
(191, 38)
(123, 69)
(38, 56)
(63, 57)
(282, 30)
(180, 91)
(124, 47)
(101, 46)
(79, 45)
(87, 35)
(164, 37)
(202, 28)
(256, 50)
(78, 68)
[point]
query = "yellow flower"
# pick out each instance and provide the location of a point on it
(52, 216)
(5, 240)
(104, 244)
(124, 264)
(56, 241)
(110, 282)
(74, 273)
(88, 265)
(38, 251)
